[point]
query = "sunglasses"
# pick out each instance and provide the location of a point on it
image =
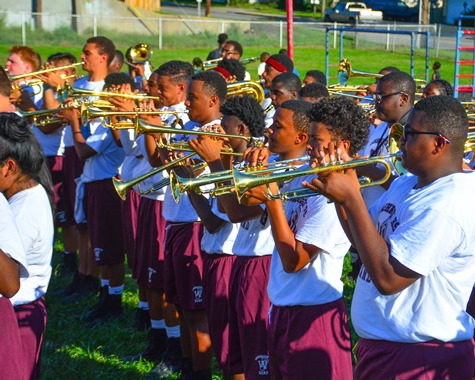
(378, 98)
(407, 132)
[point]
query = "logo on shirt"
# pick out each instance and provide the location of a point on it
(97, 253)
(151, 272)
(198, 291)
(263, 361)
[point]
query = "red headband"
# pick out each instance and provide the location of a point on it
(223, 72)
(276, 65)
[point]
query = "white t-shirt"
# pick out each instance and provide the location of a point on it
(33, 213)
(133, 154)
(52, 144)
(222, 241)
(105, 164)
(313, 221)
(184, 212)
(10, 241)
(254, 237)
(377, 145)
(432, 232)
(145, 166)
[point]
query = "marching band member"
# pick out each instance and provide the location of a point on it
(417, 244)
(96, 55)
(308, 330)
(13, 264)
(285, 86)
(183, 256)
(276, 64)
(313, 92)
(101, 203)
(23, 60)
(26, 183)
(169, 82)
(241, 116)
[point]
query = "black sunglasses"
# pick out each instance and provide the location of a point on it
(407, 132)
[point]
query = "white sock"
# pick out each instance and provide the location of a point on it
(143, 305)
(116, 289)
(104, 283)
(157, 324)
(173, 332)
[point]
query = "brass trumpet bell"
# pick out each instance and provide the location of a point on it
(251, 88)
(140, 53)
(345, 72)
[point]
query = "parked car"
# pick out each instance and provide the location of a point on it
(352, 12)
(395, 10)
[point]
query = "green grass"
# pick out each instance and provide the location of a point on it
(72, 351)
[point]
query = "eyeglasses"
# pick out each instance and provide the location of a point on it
(378, 98)
(407, 132)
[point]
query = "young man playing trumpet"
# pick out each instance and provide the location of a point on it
(417, 245)
(308, 331)
(169, 82)
(242, 116)
(183, 254)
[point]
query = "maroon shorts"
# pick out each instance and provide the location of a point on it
(72, 169)
(31, 319)
(248, 314)
(55, 166)
(308, 340)
(184, 265)
(129, 209)
(379, 359)
(149, 269)
(11, 354)
(216, 276)
(104, 218)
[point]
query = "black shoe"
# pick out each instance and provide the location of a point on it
(72, 287)
(142, 319)
(110, 309)
(70, 265)
(89, 286)
(187, 369)
(155, 350)
(172, 361)
(92, 313)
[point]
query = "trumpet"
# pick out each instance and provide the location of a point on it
(122, 187)
(200, 65)
(89, 113)
(244, 182)
(143, 127)
(76, 92)
(50, 119)
(14, 78)
(345, 72)
(180, 185)
(251, 88)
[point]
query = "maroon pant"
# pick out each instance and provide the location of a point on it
(72, 169)
(149, 268)
(11, 354)
(129, 209)
(379, 359)
(32, 323)
(216, 277)
(55, 166)
(248, 317)
(308, 342)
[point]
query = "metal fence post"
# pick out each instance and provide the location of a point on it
(388, 27)
(281, 31)
(23, 29)
(160, 34)
(95, 26)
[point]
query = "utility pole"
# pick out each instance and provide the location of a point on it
(324, 3)
(208, 8)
